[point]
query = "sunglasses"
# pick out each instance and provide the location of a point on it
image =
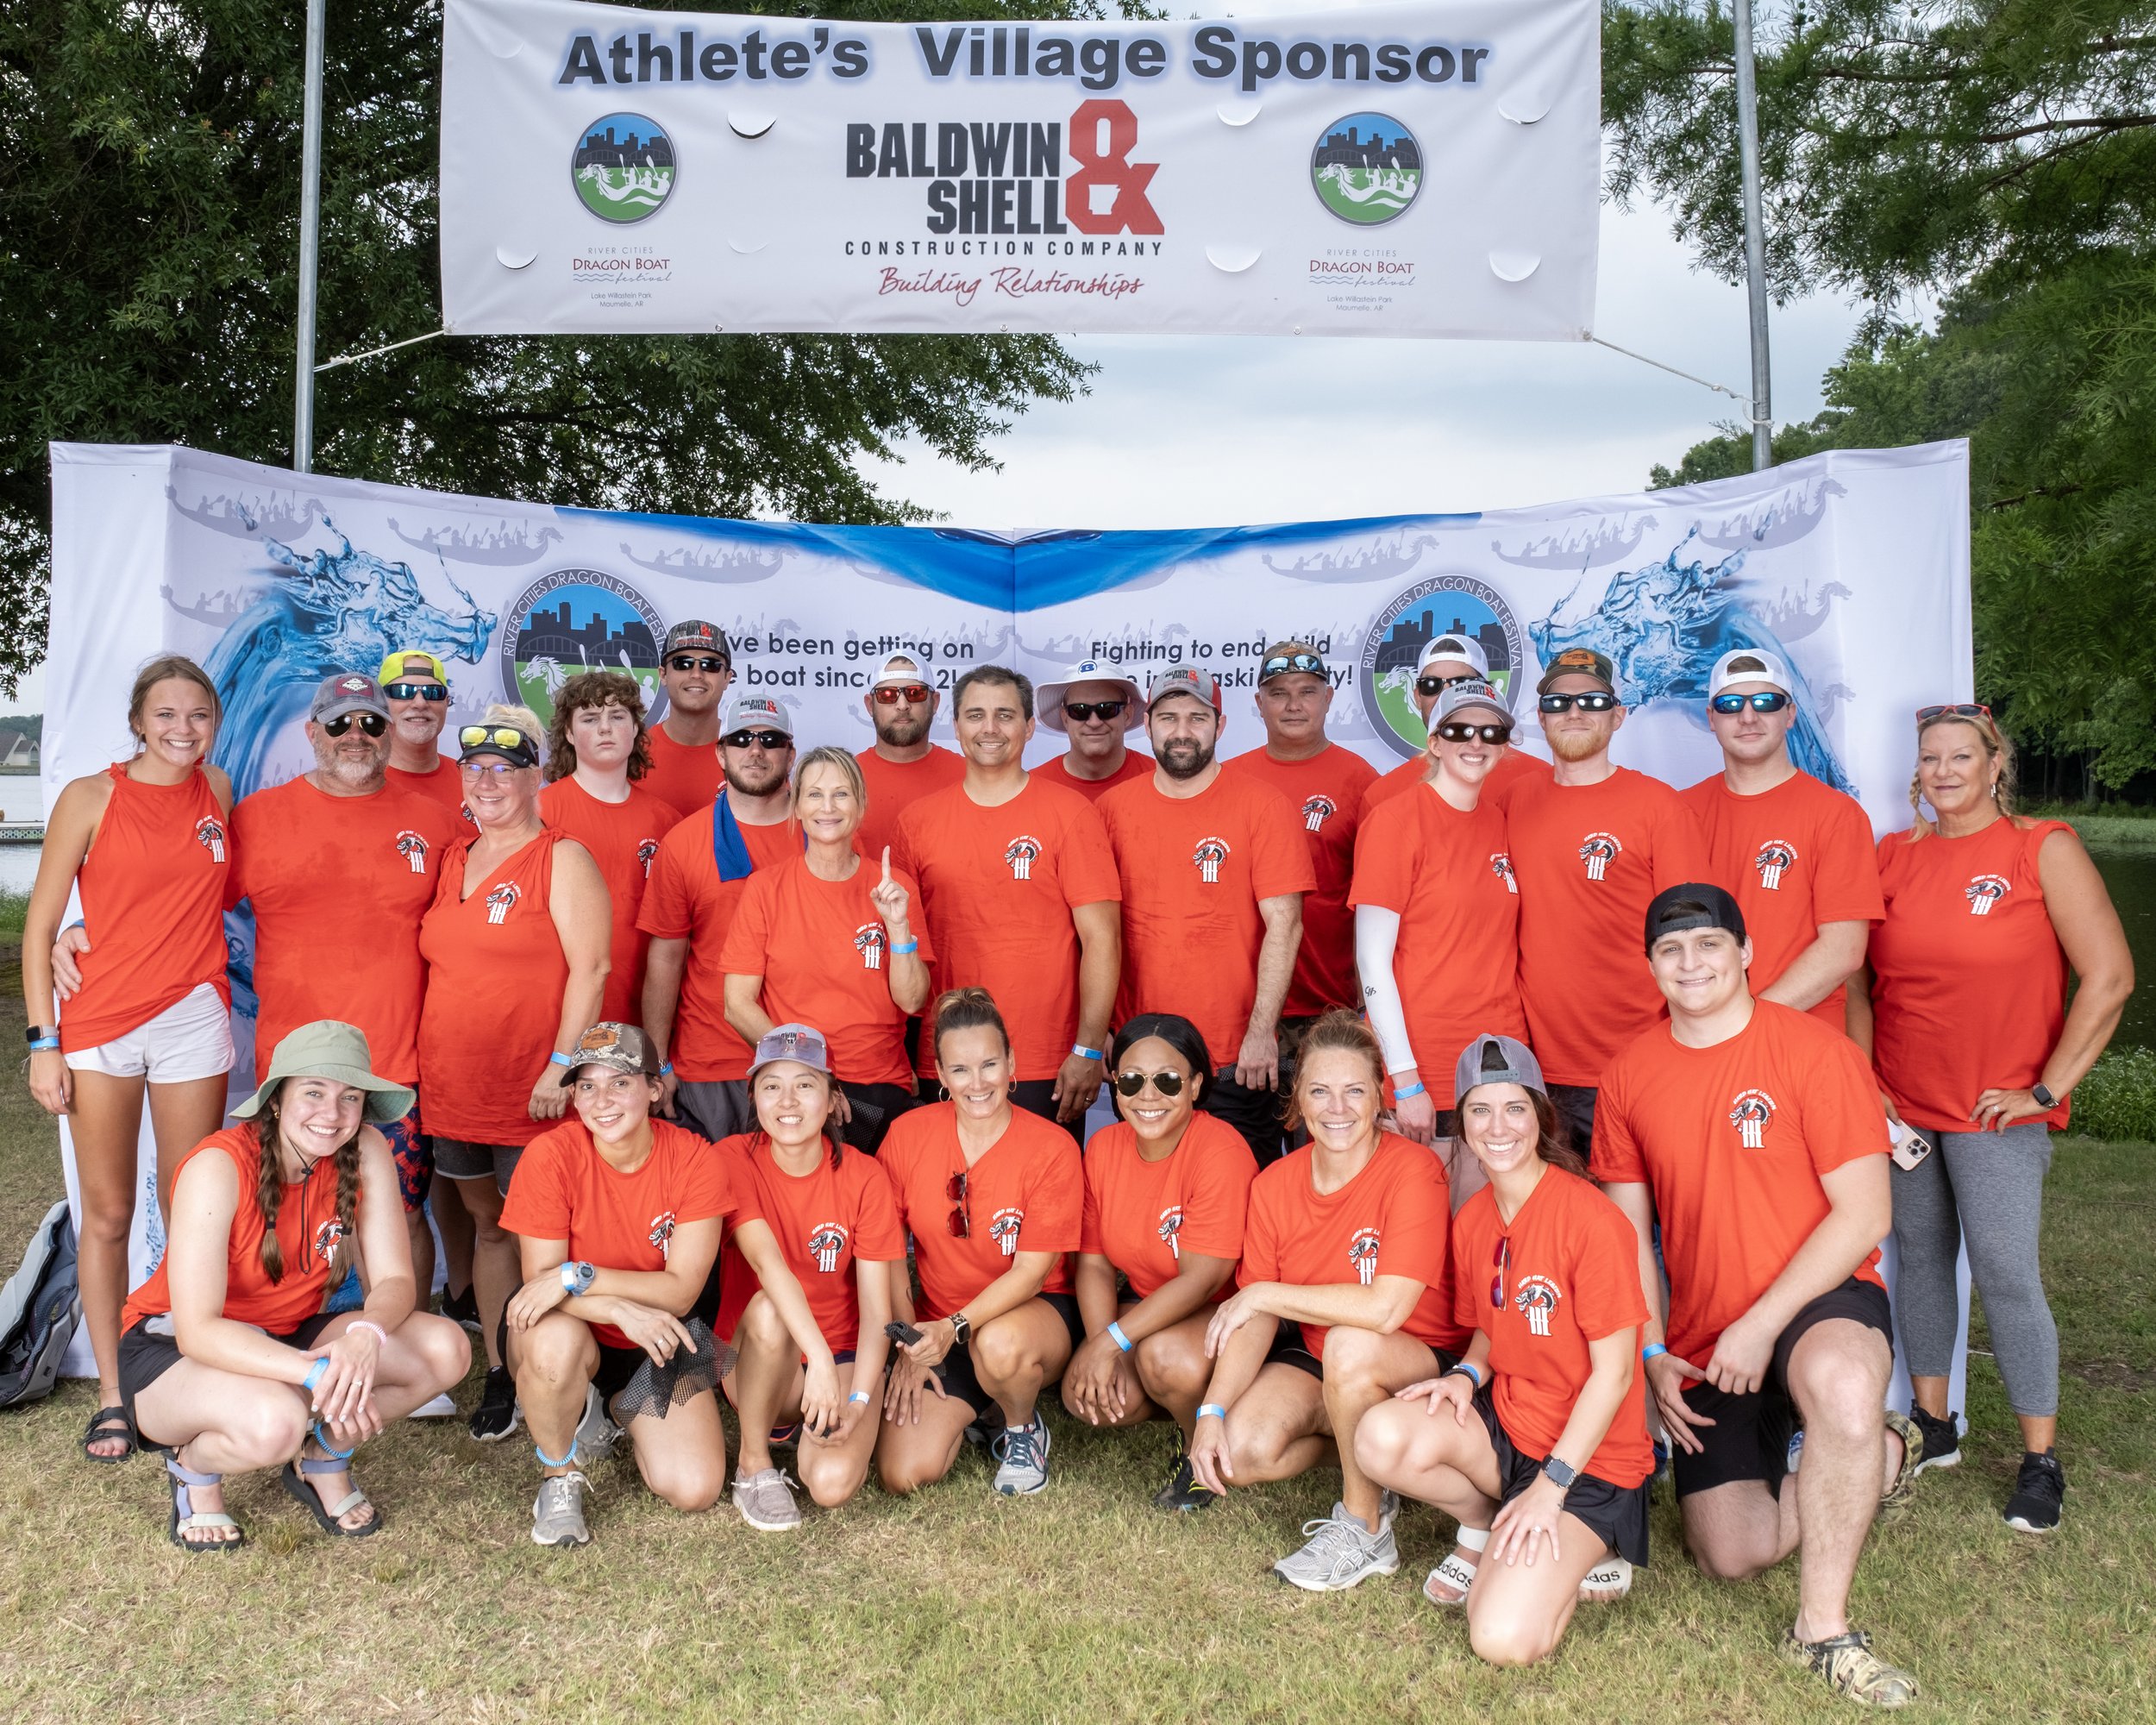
(372, 723)
(960, 1223)
(1166, 1084)
(419, 691)
(497, 736)
(757, 739)
(686, 662)
(1594, 701)
(1437, 686)
(1453, 731)
(1767, 700)
(1925, 715)
(911, 693)
(1291, 661)
(1083, 710)
(1502, 1258)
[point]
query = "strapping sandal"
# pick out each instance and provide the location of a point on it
(187, 1519)
(329, 1517)
(105, 1425)
(1608, 1581)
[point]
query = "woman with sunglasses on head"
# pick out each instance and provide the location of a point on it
(1166, 1188)
(993, 1197)
(516, 945)
(1976, 1051)
(810, 1347)
(1536, 1441)
(827, 939)
(146, 844)
(1345, 1297)
(1434, 892)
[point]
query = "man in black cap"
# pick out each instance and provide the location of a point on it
(695, 668)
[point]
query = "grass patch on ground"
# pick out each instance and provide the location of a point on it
(1083, 1605)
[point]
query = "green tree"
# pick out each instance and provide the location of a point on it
(149, 196)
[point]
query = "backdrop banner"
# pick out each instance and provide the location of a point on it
(1427, 169)
(1853, 566)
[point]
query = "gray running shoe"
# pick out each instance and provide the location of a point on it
(1021, 1454)
(557, 1517)
(766, 1501)
(1341, 1553)
(596, 1433)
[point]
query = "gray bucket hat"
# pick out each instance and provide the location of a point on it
(327, 1049)
(1515, 1066)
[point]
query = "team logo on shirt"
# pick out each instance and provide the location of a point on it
(1209, 855)
(1775, 855)
(645, 851)
(1004, 1230)
(825, 1242)
(502, 901)
(1537, 1298)
(868, 943)
(1021, 853)
(1598, 850)
(662, 1234)
(209, 834)
(1171, 1227)
(1317, 812)
(1749, 1113)
(1984, 891)
(413, 849)
(1501, 866)
(327, 1239)
(1362, 1254)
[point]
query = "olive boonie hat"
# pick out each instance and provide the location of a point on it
(622, 1047)
(327, 1049)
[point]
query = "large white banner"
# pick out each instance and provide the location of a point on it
(1425, 169)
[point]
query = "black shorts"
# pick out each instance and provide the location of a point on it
(955, 1372)
(627, 1375)
(1617, 1513)
(147, 1355)
(1287, 1350)
(1749, 1438)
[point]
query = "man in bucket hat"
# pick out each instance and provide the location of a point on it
(1097, 707)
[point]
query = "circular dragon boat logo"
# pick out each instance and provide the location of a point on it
(580, 620)
(1367, 169)
(623, 167)
(1446, 605)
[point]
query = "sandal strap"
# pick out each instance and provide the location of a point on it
(1453, 1573)
(345, 1505)
(205, 1518)
(187, 1476)
(332, 1463)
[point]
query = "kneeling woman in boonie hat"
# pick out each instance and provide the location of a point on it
(227, 1360)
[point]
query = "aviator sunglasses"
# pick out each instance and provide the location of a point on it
(911, 693)
(1594, 701)
(1453, 731)
(1166, 1084)
(1501, 1259)
(424, 692)
(1767, 700)
(372, 723)
(1084, 710)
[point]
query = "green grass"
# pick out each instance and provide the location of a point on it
(1084, 1604)
(2115, 826)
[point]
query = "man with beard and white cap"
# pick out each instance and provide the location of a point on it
(1097, 707)
(1213, 869)
(696, 667)
(1450, 659)
(904, 766)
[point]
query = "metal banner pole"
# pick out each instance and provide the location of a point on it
(1755, 241)
(309, 245)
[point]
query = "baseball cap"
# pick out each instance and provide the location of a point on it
(1496, 1060)
(1749, 665)
(1183, 679)
(754, 713)
(791, 1042)
(1049, 696)
(411, 663)
(1579, 662)
(622, 1047)
(1284, 656)
(1694, 904)
(502, 738)
(1464, 648)
(347, 691)
(1459, 695)
(899, 670)
(693, 635)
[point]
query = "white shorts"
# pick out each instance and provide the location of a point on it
(190, 1039)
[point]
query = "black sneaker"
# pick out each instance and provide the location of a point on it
(1183, 1491)
(2039, 1494)
(464, 1307)
(495, 1418)
(1942, 1439)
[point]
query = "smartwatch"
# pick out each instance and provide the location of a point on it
(577, 1277)
(35, 1034)
(1560, 1474)
(2039, 1090)
(961, 1328)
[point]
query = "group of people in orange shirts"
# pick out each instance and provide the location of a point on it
(1473, 1124)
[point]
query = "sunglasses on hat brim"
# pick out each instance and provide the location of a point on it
(1280, 662)
(499, 739)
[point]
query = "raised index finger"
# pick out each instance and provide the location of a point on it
(886, 865)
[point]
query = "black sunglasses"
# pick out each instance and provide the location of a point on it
(423, 691)
(372, 723)
(1167, 1084)
(1082, 711)
(1291, 661)
(768, 739)
(1437, 686)
(684, 661)
(1594, 701)
(1767, 700)
(1454, 731)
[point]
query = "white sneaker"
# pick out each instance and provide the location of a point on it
(440, 1408)
(1021, 1454)
(1341, 1552)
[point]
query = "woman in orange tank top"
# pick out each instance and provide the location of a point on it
(516, 945)
(147, 846)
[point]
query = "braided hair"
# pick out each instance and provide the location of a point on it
(269, 1189)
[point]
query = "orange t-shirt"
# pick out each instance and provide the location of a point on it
(1589, 859)
(1449, 876)
(339, 885)
(624, 840)
(1570, 1276)
(564, 1189)
(1733, 1140)
(1969, 980)
(687, 900)
(1025, 1194)
(495, 977)
(997, 887)
(1194, 870)
(443, 783)
(1795, 856)
(895, 786)
(1515, 768)
(1139, 1215)
(823, 1220)
(1326, 792)
(153, 890)
(307, 1232)
(1135, 765)
(684, 776)
(1392, 1219)
(819, 946)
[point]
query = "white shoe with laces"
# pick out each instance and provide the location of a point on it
(1341, 1552)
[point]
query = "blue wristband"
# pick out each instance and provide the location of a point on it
(1400, 1093)
(560, 1060)
(858, 1396)
(1116, 1335)
(666, 1069)
(1467, 1367)
(45, 1045)
(1213, 1408)
(1085, 1053)
(1652, 1350)
(316, 1373)
(910, 946)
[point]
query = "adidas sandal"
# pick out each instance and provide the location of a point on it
(1452, 1574)
(1610, 1579)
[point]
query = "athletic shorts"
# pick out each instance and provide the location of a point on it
(1287, 1350)
(456, 1158)
(632, 1388)
(1617, 1513)
(714, 1108)
(413, 1153)
(1749, 1438)
(149, 1350)
(190, 1039)
(956, 1373)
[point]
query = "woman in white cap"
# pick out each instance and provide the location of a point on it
(1536, 1442)
(226, 1361)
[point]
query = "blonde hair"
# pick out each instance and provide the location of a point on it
(1342, 1031)
(1997, 743)
(831, 756)
(159, 669)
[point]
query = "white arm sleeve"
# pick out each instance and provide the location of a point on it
(1376, 934)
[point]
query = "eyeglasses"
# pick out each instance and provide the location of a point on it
(1437, 686)
(420, 691)
(1291, 661)
(1925, 715)
(757, 739)
(960, 1223)
(1767, 700)
(372, 723)
(1082, 711)
(1596, 700)
(911, 693)
(1454, 731)
(1502, 1259)
(686, 662)
(1168, 1083)
(496, 767)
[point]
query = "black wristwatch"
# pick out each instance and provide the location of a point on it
(1560, 1474)
(961, 1328)
(2045, 1099)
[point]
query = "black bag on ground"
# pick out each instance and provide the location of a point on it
(39, 1309)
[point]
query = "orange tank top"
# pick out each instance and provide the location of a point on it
(495, 974)
(153, 904)
(308, 1231)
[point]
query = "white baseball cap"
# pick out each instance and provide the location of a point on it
(1749, 665)
(1049, 696)
(1464, 648)
(899, 670)
(1480, 696)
